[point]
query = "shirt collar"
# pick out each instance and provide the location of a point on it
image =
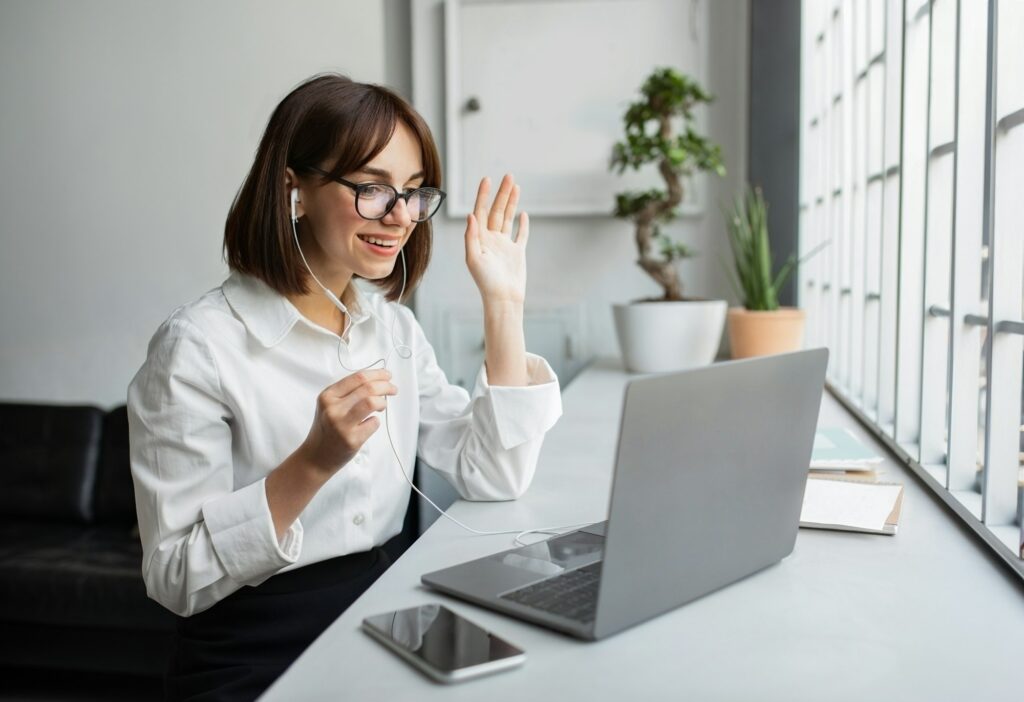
(269, 315)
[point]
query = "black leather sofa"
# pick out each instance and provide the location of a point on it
(71, 590)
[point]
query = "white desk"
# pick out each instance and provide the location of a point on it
(925, 615)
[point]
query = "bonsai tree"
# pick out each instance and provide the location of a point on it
(668, 99)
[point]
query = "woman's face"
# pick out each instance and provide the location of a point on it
(336, 237)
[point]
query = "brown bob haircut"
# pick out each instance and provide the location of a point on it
(329, 118)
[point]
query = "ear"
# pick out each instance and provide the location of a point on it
(291, 181)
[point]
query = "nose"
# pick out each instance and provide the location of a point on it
(399, 214)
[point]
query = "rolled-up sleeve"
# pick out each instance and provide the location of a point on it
(485, 444)
(203, 537)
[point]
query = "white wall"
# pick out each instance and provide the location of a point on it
(127, 128)
(590, 261)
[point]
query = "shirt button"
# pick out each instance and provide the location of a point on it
(358, 519)
(360, 459)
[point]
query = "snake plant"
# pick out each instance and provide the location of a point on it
(753, 277)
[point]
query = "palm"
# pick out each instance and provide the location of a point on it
(496, 261)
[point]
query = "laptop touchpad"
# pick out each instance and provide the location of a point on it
(555, 555)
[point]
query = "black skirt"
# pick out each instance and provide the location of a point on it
(237, 648)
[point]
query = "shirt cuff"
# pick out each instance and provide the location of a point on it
(527, 412)
(242, 530)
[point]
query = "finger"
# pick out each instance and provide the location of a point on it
(472, 237)
(362, 409)
(360, 433)
(497, 214)
(376, 388)
(366, 428)
(482, 192)
(510, 211)
(524, 229)
(350, 382)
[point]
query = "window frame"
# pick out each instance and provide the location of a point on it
(920, 305)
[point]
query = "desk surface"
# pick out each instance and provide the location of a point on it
(925, 615)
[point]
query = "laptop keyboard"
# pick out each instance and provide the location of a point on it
(572, 594)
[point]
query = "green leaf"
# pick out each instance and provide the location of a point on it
(784, 274)
(671, 250)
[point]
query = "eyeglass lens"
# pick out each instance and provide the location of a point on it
(375, 201)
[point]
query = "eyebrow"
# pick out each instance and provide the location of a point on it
(381, 173)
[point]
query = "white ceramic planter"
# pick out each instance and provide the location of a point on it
(656, 337)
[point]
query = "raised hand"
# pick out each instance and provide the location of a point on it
(496, 261)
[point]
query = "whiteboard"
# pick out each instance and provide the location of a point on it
(552, 79)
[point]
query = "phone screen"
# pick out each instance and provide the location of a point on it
(441, 638)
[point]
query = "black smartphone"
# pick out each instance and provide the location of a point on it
(442, 644)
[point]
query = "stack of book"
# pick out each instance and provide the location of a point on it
(843, 492)
(837, 450)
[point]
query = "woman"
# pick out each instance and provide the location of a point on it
(265, 482)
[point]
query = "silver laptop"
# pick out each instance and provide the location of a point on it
(709, 480)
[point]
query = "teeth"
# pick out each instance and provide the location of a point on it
(379, 242)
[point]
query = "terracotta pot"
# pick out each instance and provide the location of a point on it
(759, 333)
(656, 337)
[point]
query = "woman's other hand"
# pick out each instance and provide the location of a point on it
(344, 418)
(496, 262)
(343, 422)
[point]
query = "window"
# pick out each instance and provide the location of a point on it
(912, 165)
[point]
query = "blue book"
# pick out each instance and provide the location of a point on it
(836, 448)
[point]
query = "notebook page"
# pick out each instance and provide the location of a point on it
(850, 504)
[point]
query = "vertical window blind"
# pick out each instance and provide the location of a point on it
(912, 169)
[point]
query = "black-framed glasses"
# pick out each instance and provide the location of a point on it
(375, 200)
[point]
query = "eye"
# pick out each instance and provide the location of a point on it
(375, 190)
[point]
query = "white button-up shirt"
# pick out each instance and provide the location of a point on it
(228, 391)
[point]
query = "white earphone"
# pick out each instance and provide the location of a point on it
(294, 198)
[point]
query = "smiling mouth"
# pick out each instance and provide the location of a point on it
(381, 246)
(378, 241)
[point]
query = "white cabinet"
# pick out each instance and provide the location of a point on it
(538, 88)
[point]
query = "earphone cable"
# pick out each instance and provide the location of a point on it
(405, 352)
